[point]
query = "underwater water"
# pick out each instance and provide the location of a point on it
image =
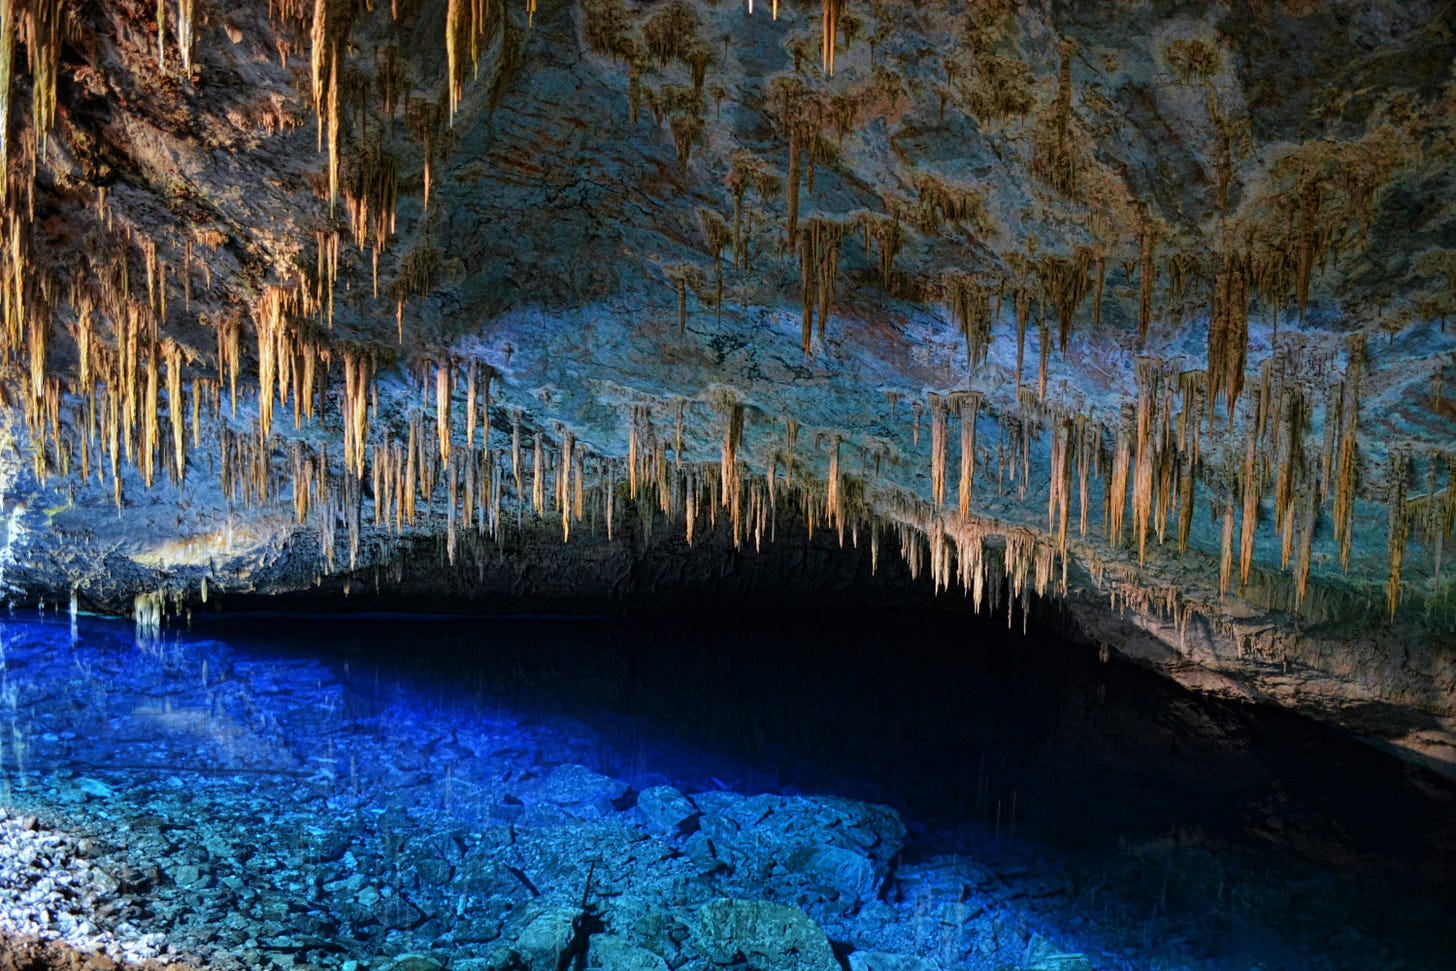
(880, 792)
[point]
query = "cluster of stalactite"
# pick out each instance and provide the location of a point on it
(1055, 159)
(819, 244)
(1166, 448)
(125, 305)
(970, 306)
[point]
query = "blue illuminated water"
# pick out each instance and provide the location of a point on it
(287, 792)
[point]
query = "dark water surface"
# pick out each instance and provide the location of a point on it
(279, 791)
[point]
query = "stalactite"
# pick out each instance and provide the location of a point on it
(1191, 387)
(1228, 332)
(1064, 282)
(7, 63)
(970, 304)
(371, 191)
(444, 389)
(270, 319)
(1226, 557)
(1347, 469)
(1251, 489)
(791, 436)
(1089, 445)
(833, 502)
(1398, 482)
(357, 383)
(150, 436)
(819, 244)
(184, 33)
(172, 355)
(747, 171)
(831, 14)
(732, 439)
(1059, 497)
(1289, 479)
(717, 235)
(970, 406)
(45, 25)
(939, 412)
(412, 478)
(1054, 159)
(681, 276)
(1117, 482)
(884, 234)
(1148, 233)
(1149, 378)
(516, 450)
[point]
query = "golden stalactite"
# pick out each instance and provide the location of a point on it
(1226, 555)
(1289, 482)
(326, 273)
(1397, 484)
(938, 202)
(833, 495)
(271, 321)
(444, 391)
(747, 171)
(1059, 493)
(970, 306)
(1054, 158)
(791, 437)
(1148, 233)
(328, 38)
(830, 16)
(883, 236)
(732, 440)
(371, 191)
(172, 356)
(682, 276)
(1065, 281)
(970, 407)
(516, 449)
(1228, 332)
(1116, 483)
(1192, 386)
(1347, 466)
(939, 414)
(1251, 487)
(1146, 448)
(7, 63)
(412, 478)
(185, 15)
(538, 476)
(565, 464)
(358, 381)
(150, 431)
(819, 244)
(718, 236)
(43, 26)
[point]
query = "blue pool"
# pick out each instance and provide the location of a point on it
(883, 793)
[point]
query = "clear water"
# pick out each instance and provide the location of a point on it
(289, 792)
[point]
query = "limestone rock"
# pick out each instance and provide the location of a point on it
(766, 935)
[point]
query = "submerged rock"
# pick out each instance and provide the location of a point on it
(667, 811)
(581, 791)
(1043, 955)
(764, 935)
(818, 849)
(883, 961)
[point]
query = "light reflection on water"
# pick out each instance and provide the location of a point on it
(330, 792)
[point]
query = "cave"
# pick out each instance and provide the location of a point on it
(796, 484)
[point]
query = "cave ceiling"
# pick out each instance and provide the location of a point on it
(1139, 306)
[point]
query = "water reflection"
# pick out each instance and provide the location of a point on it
(278, 792)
